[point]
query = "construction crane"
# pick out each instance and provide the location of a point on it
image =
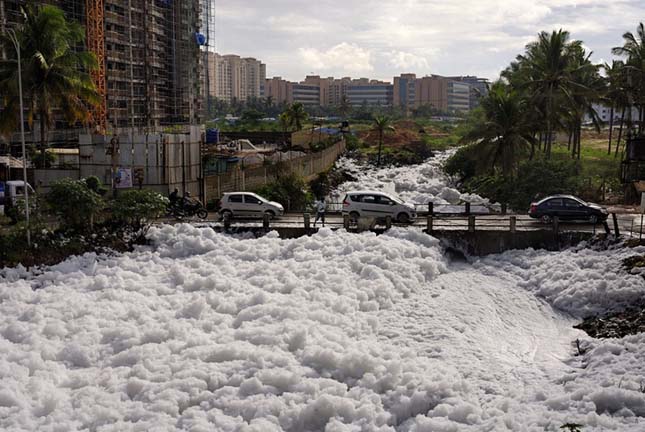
(95, 15)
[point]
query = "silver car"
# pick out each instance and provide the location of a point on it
(248, 204)
(377, 205)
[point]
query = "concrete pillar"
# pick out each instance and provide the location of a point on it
(513, 223)
(227, 221)
(429, 224)
(307, 218)
(346, 221)
(471, 223)
(388, 222)
(467, 208)
(265, 221)
(431, 208)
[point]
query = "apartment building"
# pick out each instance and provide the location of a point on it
(478, 87)
(237, 78)
(153, 61)
(445, 94)
(278, 90)
(369, 92)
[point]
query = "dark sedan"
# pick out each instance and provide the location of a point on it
(567, 207)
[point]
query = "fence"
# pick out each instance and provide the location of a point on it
(251, 178)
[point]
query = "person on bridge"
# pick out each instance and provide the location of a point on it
(320, 211)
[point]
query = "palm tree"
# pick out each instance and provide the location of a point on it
(548, 68)
(56, 76)
(344, 107)
(296, 115)
(382, 124)
(505, 134)
(615, 95)
(634, 49)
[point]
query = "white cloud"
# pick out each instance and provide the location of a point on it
(407, 61)
(382, 38)
(345, 57)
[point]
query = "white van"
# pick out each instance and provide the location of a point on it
(379, 205)
(248, 204)
(11, 191)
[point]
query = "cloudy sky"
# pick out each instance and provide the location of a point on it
(380, 39)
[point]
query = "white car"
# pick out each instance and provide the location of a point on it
(248, 204)
(378, 205)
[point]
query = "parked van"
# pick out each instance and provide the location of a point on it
(10, 192)
(377, 205)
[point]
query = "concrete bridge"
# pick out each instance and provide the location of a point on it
(474, 234)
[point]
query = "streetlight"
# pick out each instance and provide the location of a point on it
(16, 44)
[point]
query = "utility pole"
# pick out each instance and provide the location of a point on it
(16, 44)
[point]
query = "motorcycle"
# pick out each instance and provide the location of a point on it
(192, 208)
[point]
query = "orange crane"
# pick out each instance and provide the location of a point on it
(95, 18)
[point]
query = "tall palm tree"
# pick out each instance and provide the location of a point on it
(297, 115)
(615, 95)
(344, 107)
(56, 75)
(381, 124)
(505, 134)
(634, 49)
(549, 69)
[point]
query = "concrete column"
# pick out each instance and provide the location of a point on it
(513, 223)
(388, 222)
(265, 221)
(471, 223)
(307, 219)
(467, 208)
(429, 224)
(346, 221)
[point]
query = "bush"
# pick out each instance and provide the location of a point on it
(75, 204)
(462, 164)
(95, 184)
(537, 179)
(289, 190)
(137, 207)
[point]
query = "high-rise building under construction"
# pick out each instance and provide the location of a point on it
(149, 53)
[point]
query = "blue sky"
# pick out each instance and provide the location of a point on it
(381, 39)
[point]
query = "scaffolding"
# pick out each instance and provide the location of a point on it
(95, 29)
(150, 64)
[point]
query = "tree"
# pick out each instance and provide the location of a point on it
(344, 107)
(138, 207)
(615, 94)
(382, 124)
(55, 74)
(546, 71)
(504, 135)
(296, 115)
(75, 204)
(634, 49)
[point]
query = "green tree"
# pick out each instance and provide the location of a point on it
(344, 107)
(381, 124)
(615, 93)
(634, 50)
(546, 71)
(504, 135)
(138, 208)
(56, 75)
(75, 204)
(296, 115)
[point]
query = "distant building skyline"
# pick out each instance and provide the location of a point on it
(428, 37)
